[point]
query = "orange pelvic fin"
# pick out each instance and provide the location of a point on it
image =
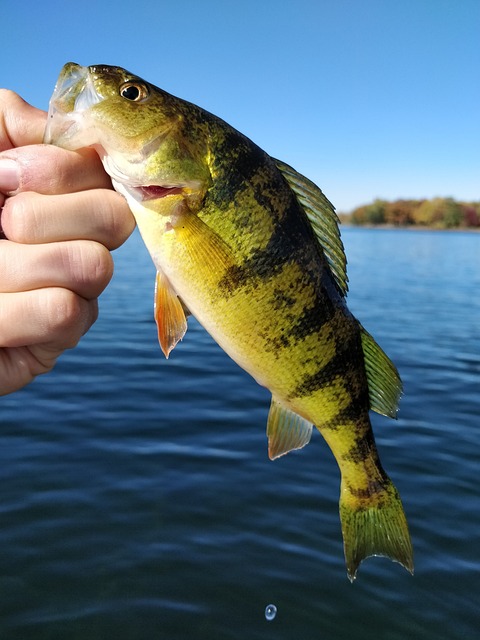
(169, 314)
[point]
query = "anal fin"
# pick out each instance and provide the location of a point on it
(169, 314)
(286, 430)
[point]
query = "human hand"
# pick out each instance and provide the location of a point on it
(60, 218)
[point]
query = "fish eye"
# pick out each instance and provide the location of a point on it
(134, 91)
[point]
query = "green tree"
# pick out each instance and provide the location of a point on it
(452, 214)
(439, 212)
(375, 212)
(429, 212)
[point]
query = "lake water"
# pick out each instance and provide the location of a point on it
(138, 502)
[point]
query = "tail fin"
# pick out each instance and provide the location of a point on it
(376, 529)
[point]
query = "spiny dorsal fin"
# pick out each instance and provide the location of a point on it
(384, 383)
(286, 430)
(321, 214)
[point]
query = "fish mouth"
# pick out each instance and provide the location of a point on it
(74, 93)
(139, 188)
(152, 192)
(148, 193)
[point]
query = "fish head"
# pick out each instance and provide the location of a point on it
(141, 133)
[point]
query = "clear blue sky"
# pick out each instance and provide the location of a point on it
(368, 98)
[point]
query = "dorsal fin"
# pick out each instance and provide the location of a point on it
(321, 214)
(384, 383)
(286, 430)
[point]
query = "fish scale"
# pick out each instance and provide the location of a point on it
(252, 249)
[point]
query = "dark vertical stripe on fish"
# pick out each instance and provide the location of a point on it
(237, 161)
(340, 366)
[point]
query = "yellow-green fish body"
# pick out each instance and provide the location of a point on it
(252, 250)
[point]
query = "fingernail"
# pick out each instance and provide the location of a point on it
(9, 176)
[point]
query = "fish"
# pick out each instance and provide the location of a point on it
(252, 249)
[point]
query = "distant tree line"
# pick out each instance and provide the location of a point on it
(441, 213)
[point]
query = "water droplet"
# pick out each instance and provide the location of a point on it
(270, 612)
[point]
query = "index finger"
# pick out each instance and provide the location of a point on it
(20, 123)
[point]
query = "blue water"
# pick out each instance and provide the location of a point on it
(138, 502)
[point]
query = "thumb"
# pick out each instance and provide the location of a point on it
(20, 123)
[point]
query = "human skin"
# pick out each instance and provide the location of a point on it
(59, 218)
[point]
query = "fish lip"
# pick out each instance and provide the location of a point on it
(74, 93)
(72, 76)
(141, 189)
(59, 117)
(147, 193)
(153, 192)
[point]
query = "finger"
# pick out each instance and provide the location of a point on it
(57, 316)
(19, 366)
(51, 170)
(22, 123)
(82, 266)
(54, 319)
(98, 214)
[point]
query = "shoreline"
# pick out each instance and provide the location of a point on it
(408, 227)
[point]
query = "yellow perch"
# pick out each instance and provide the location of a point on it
(252, 249)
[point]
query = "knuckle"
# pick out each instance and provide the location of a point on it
(10, 102)
(100, 266)
(18, 218)
(92, 267)
(67, 317)
(20, 123)
(120, 222)
(7, 96)
(110, 217)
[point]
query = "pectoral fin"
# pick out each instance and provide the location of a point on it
(204, 247)
(286, 430)
(169, 314)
